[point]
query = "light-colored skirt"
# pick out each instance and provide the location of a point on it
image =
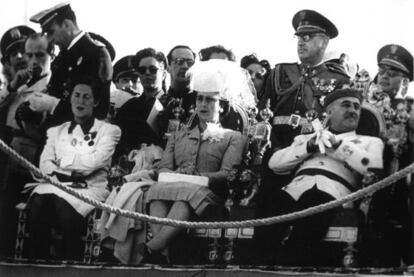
(197, 196)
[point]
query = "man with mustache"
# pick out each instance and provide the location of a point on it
(327, 165)
(180, 59)
(295, 92)
(390, 210)
(14, 64)
(17, 73)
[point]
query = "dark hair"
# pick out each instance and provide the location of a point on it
(169, 56)
(95, 85)
(149, 52)
(248, 60)
(65, 13)
(205, 53)
(50, 46)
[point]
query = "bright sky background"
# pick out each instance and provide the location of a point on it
(245, 26)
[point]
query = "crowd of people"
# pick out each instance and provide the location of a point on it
(177, 125)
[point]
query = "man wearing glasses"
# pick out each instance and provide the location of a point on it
(296, 92)
(390, 211)
(79, 55)
(180, 59)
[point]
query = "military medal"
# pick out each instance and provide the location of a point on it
(79, 60)
(74, 142)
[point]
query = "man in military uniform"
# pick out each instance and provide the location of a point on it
(138, 117)
(389, 214)
(14, 63)
(295, 92)
(127, 84)
(79, 55)
(16, 70)
(295, 89)
(328, 164)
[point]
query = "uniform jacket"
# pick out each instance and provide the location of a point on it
(294, 89)
(355, 156)
(67, 152)
(132, 119)
(212, 159)
(84, 58)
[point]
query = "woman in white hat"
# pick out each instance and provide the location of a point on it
(204, 148)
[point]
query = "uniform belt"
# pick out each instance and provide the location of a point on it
(327, 174)
(293, 120)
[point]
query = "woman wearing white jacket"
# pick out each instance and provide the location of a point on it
(77, 153)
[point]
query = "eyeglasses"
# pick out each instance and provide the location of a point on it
(390, 72)
(143, 69)
(181, 61)
(307, 37)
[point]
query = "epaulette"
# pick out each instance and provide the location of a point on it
(336, 68)
(97, 42)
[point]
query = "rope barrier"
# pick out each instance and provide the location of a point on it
(216, 224)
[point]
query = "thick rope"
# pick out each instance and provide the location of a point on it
(368, 191)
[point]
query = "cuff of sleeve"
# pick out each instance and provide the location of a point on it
(55, 104)
(301, 150)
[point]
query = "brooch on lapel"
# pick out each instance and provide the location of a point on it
(213, 133)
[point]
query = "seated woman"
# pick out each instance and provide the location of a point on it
(204, 148)
(78, 153)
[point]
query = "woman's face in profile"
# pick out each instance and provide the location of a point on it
(82, 101)
(208, 106)
(257, 73)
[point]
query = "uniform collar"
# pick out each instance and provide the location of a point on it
(346, 135)
(76, 39)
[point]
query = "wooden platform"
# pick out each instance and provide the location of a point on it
(12, 269)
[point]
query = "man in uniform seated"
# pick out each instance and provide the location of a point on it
(295, 91)
(328, 164)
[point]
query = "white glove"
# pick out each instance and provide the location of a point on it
(41, 102)
(324, 139)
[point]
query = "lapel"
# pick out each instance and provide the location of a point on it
(194, 133)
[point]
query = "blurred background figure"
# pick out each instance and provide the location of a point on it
(258, 70)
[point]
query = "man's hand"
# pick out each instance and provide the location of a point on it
(322, 140)
(22, 77)
(41, 102)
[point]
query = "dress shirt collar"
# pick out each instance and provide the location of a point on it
(86, 126)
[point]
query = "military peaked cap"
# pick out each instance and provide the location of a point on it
(397, 57)
(308, 21)
(46, 17)
(124, 67)
(14, 37)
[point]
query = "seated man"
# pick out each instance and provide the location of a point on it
(329, 164)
